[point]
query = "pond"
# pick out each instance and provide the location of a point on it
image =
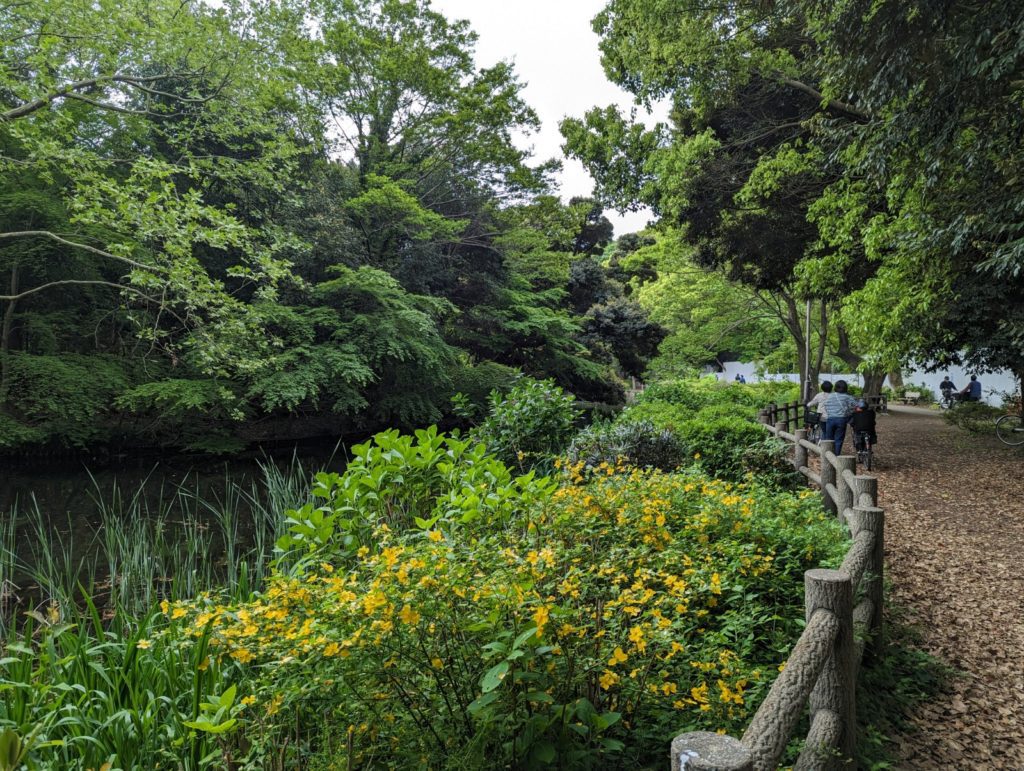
(136, 529)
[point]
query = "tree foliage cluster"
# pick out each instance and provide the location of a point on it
(861, 155)
(252, 220)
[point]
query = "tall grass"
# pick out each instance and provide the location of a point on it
(89, 678)
(144, 547)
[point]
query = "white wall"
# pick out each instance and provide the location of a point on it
(999, 382)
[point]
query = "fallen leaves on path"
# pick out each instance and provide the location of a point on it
(954, 547)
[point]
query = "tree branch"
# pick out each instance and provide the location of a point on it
(833, 104)
(71, 89)
(86, 247)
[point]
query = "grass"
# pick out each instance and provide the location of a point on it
(144, 548)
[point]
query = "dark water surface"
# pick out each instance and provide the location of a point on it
(72, 495)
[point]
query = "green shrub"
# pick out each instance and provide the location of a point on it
(641, 444)
(530, 425)
(402, 482)
(584, 634)
(731, 447)
(976, 417)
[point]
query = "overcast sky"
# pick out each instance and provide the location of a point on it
(555, 53)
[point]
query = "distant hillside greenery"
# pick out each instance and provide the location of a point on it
(219, 227)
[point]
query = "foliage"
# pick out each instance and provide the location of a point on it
(64, 398)
(583, 629)
(732, 447)
(400, 482)
(976, 417)
(635, 443)
(530, 425)
(81, 695)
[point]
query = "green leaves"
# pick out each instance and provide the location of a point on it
(215, 715)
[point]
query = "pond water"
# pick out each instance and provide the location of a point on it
(80, 520)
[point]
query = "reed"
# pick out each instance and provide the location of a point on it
(144, 547)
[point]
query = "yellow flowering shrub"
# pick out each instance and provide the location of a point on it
(619, 609)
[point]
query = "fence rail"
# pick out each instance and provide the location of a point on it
(843, 609)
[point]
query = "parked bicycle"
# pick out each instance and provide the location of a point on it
(1010, 429)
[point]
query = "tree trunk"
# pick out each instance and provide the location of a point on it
(896, 378)
(873, 383)
(5, 338)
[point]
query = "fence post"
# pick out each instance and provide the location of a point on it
(781, 426)
(763, 417)
(866, 493)
(706, 751)
(828, 475)
(834, 690)
(846, 495)
(873, 518)
(799, 451)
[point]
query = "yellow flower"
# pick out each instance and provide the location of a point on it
(179, 613)
(242, 655)
(248, 700)
(435, 535)
(408, 616)
(608, 679)
(332, 649)
(540, 618)
(636, 635)
(696, 456)
(436, 663)
(165, 606)
(618, 656)
(143, 644)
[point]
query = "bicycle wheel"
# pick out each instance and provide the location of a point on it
(1010, 430)
(869, 456)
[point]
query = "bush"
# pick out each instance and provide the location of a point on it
(976, 417)
(530, 425)
(732, 447)
(584, 633)
(641, 444)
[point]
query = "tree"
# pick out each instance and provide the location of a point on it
(82, 92)
(744, 161)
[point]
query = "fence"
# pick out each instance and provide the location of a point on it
(844, 616)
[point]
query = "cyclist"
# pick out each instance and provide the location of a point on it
(862, 421)
(947, 387)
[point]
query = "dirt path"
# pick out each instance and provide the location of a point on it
(954, 547)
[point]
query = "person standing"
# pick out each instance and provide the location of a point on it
(838, 407)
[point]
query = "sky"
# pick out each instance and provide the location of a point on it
(555, 54)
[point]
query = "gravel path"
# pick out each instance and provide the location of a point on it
(954, 547)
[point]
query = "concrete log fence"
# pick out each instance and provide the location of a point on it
(844, 624)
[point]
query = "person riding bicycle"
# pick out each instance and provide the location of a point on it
(947, 388)
(862, 422)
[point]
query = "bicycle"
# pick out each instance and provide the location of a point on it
(865, 451)
(1010, 429)
(812, 422)
(949, 399)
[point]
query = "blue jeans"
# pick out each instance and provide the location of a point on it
(835, 429)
